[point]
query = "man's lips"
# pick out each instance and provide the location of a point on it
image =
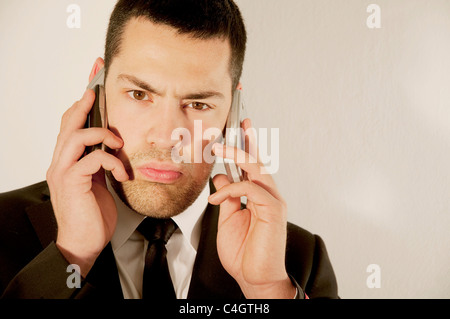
(160, 172)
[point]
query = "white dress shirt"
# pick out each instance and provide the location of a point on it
(130, 246)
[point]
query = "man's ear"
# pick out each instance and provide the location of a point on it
(98, 65)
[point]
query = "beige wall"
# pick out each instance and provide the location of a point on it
(364, 118)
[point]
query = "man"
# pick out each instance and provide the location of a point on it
(167, 64)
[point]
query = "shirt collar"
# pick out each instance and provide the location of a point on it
(188, 221)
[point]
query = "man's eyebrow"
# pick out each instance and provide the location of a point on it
(204, 95)
(191, 96)
(140, 83)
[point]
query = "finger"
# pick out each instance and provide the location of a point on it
(91, 164)
(244, 160)
(227, 207)
(255, 170)
(78, 113)
(251, 142)
(74, 118)
(76, 144)
(255, 193)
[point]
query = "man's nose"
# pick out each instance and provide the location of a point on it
(167, 118)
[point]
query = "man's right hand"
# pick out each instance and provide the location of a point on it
(84, 208)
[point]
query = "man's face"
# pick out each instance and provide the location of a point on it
(161, 81)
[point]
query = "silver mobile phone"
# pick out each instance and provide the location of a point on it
(234, 137)
(97, 117)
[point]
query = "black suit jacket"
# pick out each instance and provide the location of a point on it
(31, 266)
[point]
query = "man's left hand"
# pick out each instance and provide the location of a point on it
(251, 243)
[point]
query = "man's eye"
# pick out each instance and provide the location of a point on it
(138, 95)
(198, 106)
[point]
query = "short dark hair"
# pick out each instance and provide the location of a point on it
(202, 19)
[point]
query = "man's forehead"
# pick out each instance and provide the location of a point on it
(157, 49)
(147, 34)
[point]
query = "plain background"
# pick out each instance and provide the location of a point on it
(364, 119)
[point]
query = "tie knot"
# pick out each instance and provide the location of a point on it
(157, 229)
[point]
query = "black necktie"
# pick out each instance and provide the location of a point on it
(157, 283)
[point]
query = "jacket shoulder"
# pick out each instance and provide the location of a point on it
(19, 242)
(13, 204)
(14, 219)
(297, 233)
(33, 194)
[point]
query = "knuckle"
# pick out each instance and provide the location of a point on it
(76, 137)
(67, 140)
(97, 154)
(59, 137)
(104, 134)
(66, 114)
(65, 117)
(69, 175)
(103, 158)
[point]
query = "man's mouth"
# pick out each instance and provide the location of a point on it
(159, 172)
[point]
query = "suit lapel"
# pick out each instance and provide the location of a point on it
(209, 278)
(103, 279)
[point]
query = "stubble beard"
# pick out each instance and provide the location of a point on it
(159, 200)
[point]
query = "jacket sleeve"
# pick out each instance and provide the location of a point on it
(46, 277)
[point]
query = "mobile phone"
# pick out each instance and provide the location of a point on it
(234, 136)
(97, 117)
